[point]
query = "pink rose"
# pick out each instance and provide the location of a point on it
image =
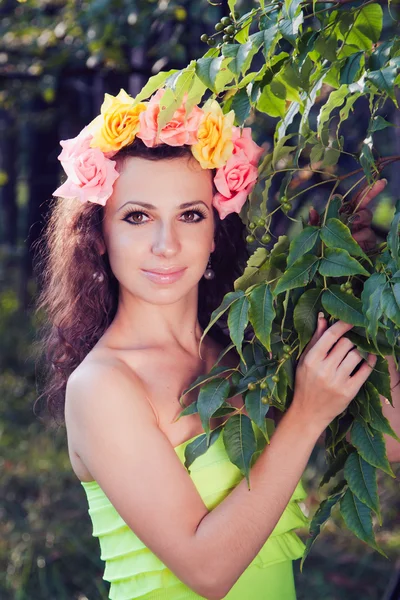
(245, 142)
(180, 130)
(234, 182)
(90, 174)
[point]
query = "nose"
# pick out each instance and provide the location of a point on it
(166, 242)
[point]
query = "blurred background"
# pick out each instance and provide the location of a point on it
(57, 59)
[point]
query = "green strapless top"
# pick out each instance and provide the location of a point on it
(135, 572)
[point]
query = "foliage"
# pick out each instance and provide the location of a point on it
(277, 59)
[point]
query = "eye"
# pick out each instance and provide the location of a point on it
(134, 213)
(200, 214)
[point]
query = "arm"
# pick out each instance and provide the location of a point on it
(116, 436)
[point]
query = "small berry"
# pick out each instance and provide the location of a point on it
(226, 21)
(250, 239)
(204, 37)
(260, 221)
(348, 285)
(252, 386)
(230, 30)
(219, 27)
(349, 291)
(252, 225)
(211, 41)
(286, 207)
(264, 399)
(287, 348)
(275, 378)
(286, 355)
(343, 288)
(226, 38)
(266, 238)
(263, 385)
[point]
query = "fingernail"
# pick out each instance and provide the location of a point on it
(321, 315)
(385, 180)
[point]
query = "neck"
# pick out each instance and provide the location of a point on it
(141, 324)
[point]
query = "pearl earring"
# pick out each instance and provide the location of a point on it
(98, 276)
(209, 273)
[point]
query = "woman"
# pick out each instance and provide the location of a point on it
(129, 291)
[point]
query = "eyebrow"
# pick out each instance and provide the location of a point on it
(152, 207)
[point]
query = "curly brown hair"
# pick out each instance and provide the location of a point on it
(79, 308)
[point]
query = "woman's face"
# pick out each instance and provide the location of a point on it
(160, 217)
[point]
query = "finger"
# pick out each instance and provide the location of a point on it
(363, 373)
(339, 351)
(313, 216)
(350, 362)
(369, 195)
(322, 325)
(330, 337)
(366, 238)
(360, 219)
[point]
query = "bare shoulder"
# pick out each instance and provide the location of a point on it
(100, 384)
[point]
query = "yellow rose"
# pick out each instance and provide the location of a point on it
(214, 145)
(117, 124)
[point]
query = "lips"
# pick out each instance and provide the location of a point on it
(165, 271)
(164, 276)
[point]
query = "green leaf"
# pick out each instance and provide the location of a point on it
(256, 410)
(379, 123)
(266, 38)
(290, 24)
(335, 100)
(240, 443)
(241, 106)
(367, 27)
(374, 313)
(383, 79)
(231, 4)
(358, 518)
(378, 420)
(337, 464)
(211, 397)
(335, 234)
(306, 315)
(371, 447)
(343, 306)
(380, 378)
(302, 243)
(272, 100)
(298, 275)
(237, 320)
(393, 241)
(153, 84)
(351, 67)
(338, 263)
(240, 56)
(361, 477)
(227, 301)
(251, 274)
(321, 516)
(212, 374)
(367, 160)
(262, 313)
(199, 446)
(390, 302)
(207, 70)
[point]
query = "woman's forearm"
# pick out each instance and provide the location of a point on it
(230, 536)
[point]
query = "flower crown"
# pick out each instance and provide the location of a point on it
(215, 142)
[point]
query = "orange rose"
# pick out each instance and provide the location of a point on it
(215, 144)
(117, 124)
